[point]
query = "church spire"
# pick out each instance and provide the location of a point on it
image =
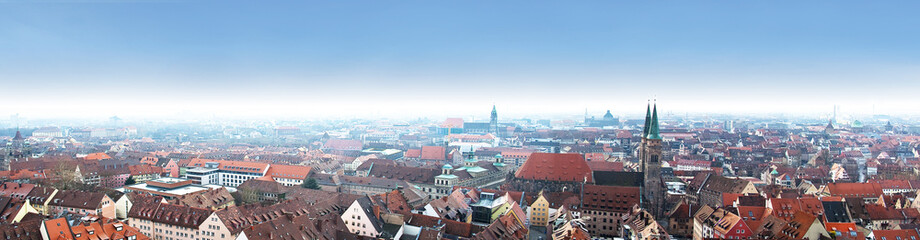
(653, 132)
(648, 120)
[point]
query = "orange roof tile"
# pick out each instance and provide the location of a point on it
(288, 171)
(555, 167)
(97, 156)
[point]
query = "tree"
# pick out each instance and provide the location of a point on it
(310, 183)
(130, 181)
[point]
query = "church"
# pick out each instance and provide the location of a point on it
(653, 189)
(608, 120)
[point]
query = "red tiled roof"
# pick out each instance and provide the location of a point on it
(904, 234)
(413, 153)
(848, 190)
(144, 169)
(97, 156)
(288, 171)
(843, 230)
(432, 153)
(606, 166)
(570, 167)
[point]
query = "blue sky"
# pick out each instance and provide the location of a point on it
(143, 58)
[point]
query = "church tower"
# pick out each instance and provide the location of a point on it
(493, 121)
(653, 191)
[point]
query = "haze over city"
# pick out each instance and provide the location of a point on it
(150, 59)
(459, 120)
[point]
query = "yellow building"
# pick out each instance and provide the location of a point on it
(539, 211)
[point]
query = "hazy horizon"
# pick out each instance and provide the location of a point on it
(165, 59)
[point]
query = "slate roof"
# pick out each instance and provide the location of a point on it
(624, 179)
(836, 212)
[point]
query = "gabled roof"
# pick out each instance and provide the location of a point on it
(722, 184)
(566, 167)
(78, 199)
(432, 153)
(58, 229)
(798, 226)
(97, 156)
(170, 214)
(862, 190)
(366, 205)
(288, 171)
(836, 212)
(903, 234)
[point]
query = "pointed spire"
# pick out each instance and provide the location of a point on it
(648, 120)
(653, 132)
(494, 112)
(18, 136)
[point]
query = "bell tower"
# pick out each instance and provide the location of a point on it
(653, 191)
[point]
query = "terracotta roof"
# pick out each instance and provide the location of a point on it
(844, 230)
(413, 153)
(97, 156)
(785, 208)
(605, 166)
(903, 234)
(288, 171)
(105, 230)
(144, 169)
(15, 190)
(569, 167)
(878, 212)
(58, 229)
(432, 153)
(799, 224)
(862, 190)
